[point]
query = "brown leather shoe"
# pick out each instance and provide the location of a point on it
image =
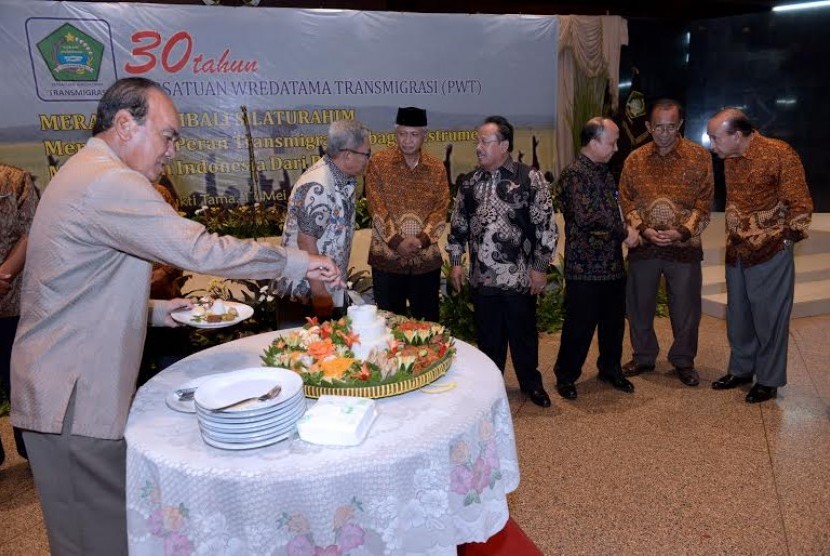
(632, 368)
(688, 375)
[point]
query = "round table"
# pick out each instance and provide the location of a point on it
(433, 473)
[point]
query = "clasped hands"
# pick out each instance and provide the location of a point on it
(661, 238)
(409, 246)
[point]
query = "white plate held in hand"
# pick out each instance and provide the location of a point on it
(191, 317)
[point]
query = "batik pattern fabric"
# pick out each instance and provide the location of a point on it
(767, 201)
(406, 202)
(665, 192)
(18, 201)
(505, 218)
(321, 205)
(594, 228)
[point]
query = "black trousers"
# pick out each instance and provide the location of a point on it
(393, 290)
(591, 305)
(503, 320)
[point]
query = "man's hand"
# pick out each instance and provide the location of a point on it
(538, 281)
(323, 268)
(5, 284)
(409, 246)
(171, 305)
(457, 277)
(633, 239)
(662, 238)
(671, 236)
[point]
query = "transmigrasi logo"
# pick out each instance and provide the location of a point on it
(71, 54)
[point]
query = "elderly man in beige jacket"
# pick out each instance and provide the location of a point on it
(84, 309)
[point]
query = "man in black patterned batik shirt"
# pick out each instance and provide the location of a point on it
(503, 213)
(594, 271)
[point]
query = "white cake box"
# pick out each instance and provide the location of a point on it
(338, 421)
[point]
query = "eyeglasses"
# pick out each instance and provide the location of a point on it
(488, 141)
(665, 128)
(366, 154)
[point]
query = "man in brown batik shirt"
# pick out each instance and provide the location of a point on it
(408, 194)
(666, 192)
(768, 209)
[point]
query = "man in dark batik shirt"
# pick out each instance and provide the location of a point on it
(503, 212)
(594, 271)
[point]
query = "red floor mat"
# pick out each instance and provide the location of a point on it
(510, 541)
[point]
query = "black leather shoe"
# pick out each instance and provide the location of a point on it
(729, 381)
(632, 368)
(539, 397)
(618, 381)
(567, 390)
(760, 393)
(688, 375)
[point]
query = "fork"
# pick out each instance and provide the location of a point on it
(185, 394)
(270, 394)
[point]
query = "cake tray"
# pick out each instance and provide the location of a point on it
(438, 370)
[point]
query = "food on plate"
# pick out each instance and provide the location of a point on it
(210, 309)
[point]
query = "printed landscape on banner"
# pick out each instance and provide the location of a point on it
(294, 70)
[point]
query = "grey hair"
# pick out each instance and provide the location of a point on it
(346, 134)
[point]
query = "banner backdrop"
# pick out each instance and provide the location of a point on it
(295, 71)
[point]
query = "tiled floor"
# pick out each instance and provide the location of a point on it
(667, 470)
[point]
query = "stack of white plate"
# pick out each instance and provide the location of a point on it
(252, 424)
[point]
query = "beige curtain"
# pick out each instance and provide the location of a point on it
(591, 46)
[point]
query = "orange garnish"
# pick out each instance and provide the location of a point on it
(414, 325)
(349, 338)
(336, 367)
(321, 349)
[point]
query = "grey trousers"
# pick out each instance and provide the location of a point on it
(758, 308)
(81, 483)
(683, 285)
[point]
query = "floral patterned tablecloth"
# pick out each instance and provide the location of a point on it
(433, 473)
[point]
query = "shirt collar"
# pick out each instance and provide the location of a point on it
(508, 166)
(676, 152)
(399, 159)
(753, 147)
(340, 179)
(585, 160)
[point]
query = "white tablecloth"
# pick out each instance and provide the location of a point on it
(433, 473)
